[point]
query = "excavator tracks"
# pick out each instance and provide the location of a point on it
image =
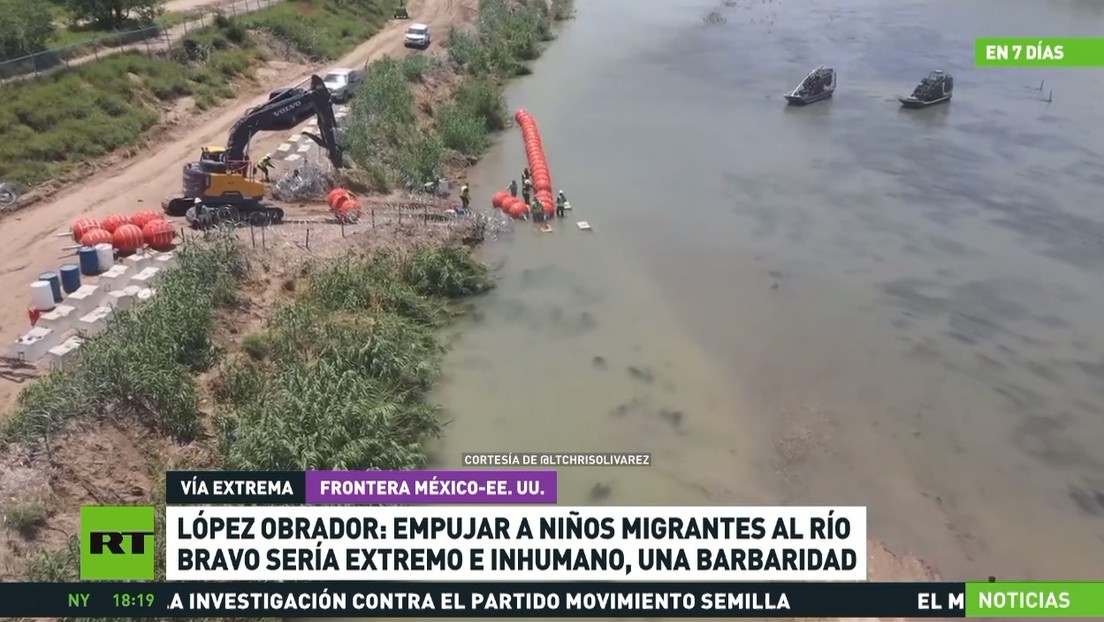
(208, 216)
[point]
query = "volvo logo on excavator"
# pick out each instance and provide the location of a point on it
(287, 108)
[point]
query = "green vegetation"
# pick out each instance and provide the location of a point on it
(24, 517)
(338, 380)
(385, 137)
(111, 14)
(50, 125)
(323, 29)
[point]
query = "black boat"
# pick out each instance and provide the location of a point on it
(935, 89)
(818, 85)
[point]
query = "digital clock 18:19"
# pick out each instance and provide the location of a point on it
(133, 600)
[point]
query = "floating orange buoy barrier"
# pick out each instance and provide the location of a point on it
(141, 218)
(95, 236)
(534, 152)
(114, 221)
(158, 234)
(127, 238)
(82, 226)
(499, 198)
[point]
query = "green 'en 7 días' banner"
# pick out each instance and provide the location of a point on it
(1052, 52)
(1035, 600)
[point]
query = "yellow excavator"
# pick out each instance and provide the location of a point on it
(219, 186)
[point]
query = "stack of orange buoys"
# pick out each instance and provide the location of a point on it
(534, 152)
(88, 232)
(343, 205)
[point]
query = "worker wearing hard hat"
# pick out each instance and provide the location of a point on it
(561, 204)
(465, 196)
(513, 188)
(537, 210)
(264, 166)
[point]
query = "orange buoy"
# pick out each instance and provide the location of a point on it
(141, 218)
(499, 198)
(518, 209)
(95, 236)
(346, 208)
(158, 234)
(127, 238)
(81, 226)
(114, 221)
(333, 194)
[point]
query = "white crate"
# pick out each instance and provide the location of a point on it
(146, 277)
(60, 355)
(59, 319)
(86, 298)
(115, 279)
(33, 345)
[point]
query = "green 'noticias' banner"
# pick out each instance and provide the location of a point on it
(1055, 52)
(1035, 600)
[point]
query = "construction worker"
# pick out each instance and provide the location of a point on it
(465, 196)
(526, 175)
(526, 188)
(561, 204)
(264, 166)
(537, 211)
(513, 188)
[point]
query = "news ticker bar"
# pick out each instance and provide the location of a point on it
(572, 600)
(360, 487)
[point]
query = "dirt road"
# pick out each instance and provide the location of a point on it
(142, 181)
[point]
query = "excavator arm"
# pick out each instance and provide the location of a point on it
(276, 113)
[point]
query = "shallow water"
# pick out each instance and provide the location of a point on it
(842, 304)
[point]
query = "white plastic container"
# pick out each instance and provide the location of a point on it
(42, 296)
(105, 256)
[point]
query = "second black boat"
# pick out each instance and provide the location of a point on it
(936, 88)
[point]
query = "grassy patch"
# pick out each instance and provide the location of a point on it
(50, 125)
(143, 365)
(24, 517)
(323, 29)
(384, 137)
(342, 377)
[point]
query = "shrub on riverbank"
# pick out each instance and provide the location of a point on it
(143, 366)
(343, 372)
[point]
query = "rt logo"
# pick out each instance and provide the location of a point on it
(116, 542)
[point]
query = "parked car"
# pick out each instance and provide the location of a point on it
(417, 36)
(305, 111)
(343, 83)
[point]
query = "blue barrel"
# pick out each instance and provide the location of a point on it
(70, 278)
(89, 262)
(55, 284)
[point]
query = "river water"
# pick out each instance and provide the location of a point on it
(841, 304)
